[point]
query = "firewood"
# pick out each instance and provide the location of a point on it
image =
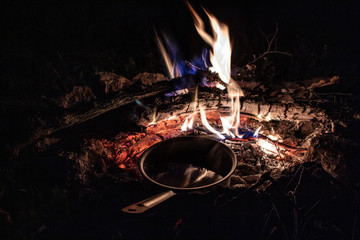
(148, 79)
(72, 119)
(320, 82)
(308, 85)
(271, 111)
(78, 95)
(113, 82)
(283, 111)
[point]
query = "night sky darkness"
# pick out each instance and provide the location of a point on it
(123, 29)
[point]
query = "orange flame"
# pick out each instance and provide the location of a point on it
(207, 125)
(188, 124)
(220, 58)
(172, 66)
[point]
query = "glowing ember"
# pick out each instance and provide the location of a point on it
(125, 148)
(268, 147)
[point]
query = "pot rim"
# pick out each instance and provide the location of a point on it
(226, 177)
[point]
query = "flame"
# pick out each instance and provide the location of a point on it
(171, 65)
(267, 117)
(220, 56)
(191, 122)
(188, 124)
(226, 127)
(274, 138)
(207, 125)
(184, 127)
(256, 133)
(220, 59)
(267, 146)
(153, 122)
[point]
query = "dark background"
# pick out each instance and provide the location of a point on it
(119, 32)
(47, 47)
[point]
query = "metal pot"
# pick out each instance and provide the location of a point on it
(184, 164)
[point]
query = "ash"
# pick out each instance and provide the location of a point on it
(252, 163)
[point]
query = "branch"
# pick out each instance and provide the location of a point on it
(269, 47)
(266, 53)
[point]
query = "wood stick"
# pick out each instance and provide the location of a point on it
(70, 120)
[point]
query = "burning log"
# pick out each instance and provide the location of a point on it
(283, 111)
(220, 113)
(263, 111)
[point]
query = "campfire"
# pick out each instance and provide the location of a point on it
(243, 116)
(208, 100)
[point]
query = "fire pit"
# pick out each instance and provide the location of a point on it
(90, 90)
(266, 137)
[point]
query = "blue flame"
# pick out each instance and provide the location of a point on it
(185, 68)
(202, 62)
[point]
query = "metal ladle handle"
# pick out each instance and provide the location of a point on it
(148, 203)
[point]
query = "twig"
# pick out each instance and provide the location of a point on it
(293, 197)
(268, 52)
(274, 36)
(56, 73)
(267, 219)
(312, 207)
(298, 183)
(338, 94)
(294, 175)
(265, 36)
(296, 221)
(354, 230)
(61, 58)
(281, 222)
(270, 44)
(263, 178)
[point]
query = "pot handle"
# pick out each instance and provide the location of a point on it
(148, 203)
